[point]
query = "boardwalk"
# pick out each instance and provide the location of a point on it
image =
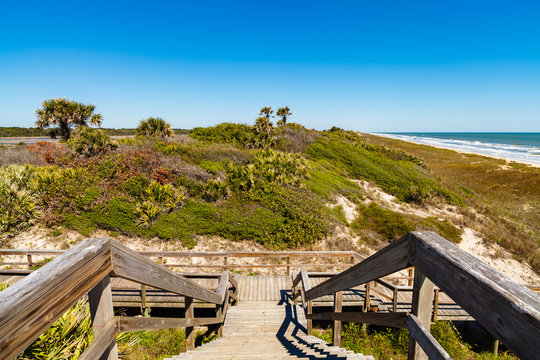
(275, 288)
(268, 330)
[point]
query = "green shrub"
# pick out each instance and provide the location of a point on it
(135, 186)
(214, 190)
(154, 127)
(69, 336)
(236, 134)
(212, 167)
(90, 142)
(18, 201)
(392, 344)
(390, 224)
(328, 184)
(268, 167)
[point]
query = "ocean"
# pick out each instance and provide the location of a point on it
(519, 147)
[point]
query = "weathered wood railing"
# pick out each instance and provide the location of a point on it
(506, 309)
(34, 303)
(341, 259)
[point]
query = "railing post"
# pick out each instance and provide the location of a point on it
(288, 265)
(143, 300)
(101, 312)
(436, 304)
(30, 263)
(367, 299)
(189, 314)
(411, 275)
(309, 320)
(395, 300)
(219, 312)
(336, 330)
(422, 302)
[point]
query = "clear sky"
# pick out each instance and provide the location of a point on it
(365, 65)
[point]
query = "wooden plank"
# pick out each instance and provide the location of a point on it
(32, 304)
(397, 320)
(336, 326)
(430, 346)
(189, 316)
(130, 265)
(101, 345)
(509, 311)
(392, 258)
(102, 313)
(128, 324)
(223, 285)
(422, 302)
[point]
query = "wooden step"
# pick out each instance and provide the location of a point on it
(266, 330)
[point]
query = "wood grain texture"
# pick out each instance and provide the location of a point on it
(397, 320)
(392, 258)
(128, 324)
(430, 346)
(102, 312)
(32, 304)
(509, 311)
(130, 265)
(102, 344)
(336, 325)
(189, 315)
(422, 301)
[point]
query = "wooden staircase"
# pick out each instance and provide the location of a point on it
(267, 330)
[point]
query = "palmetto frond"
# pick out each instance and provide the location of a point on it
(66, 114)
(154, 127)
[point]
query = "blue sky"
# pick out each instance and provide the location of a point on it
(369, 66)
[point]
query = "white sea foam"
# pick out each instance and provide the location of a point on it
(518, 153)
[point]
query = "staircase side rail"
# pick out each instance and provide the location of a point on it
(30, 306)
(508, 310)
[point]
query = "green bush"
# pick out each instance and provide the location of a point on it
(214, 190)
(390, 224)
(90, 142)
(268, 167)
(18, 200)
(236, 134)
(135, 186)
(69, 336)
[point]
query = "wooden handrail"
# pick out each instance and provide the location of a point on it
(508, 310)
(31, 305)
(152, 253)
(31, 261)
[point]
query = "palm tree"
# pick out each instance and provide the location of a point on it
(284, 112)
(266, 112)
(66, 114)
(154, 127)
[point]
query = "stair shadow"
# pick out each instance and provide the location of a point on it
(292, 342)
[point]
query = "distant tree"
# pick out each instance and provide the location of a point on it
(266, 112)
(264, 132)
(66, 114)
(283, 112)
(154, 127)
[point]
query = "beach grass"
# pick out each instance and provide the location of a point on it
(503, 198)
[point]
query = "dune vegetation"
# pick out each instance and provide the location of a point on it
(282, 186)
(270, 184)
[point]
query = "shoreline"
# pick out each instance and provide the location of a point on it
(460, 151)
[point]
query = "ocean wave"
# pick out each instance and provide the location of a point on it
(520, 153)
